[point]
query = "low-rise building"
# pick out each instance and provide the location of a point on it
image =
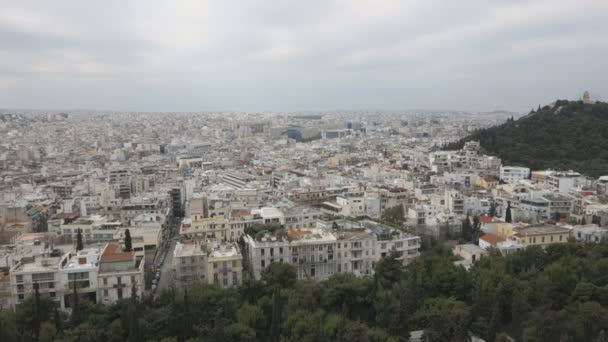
(540, 235)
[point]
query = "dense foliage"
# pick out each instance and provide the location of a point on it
(570, 135)
(557, 294)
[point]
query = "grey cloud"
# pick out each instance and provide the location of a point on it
(298, 55)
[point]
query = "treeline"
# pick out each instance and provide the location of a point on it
(570, 135)
(557, 294)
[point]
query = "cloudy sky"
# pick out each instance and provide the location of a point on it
(300, 55)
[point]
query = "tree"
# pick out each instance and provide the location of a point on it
(79, 245)
(467, 230)
(584, 221)
(492, 212)
(389, 269)
(36, 309)
(444, 319)
(128, 242)
(508, 218)
(279, 274)
(476, 230)
(394, 215)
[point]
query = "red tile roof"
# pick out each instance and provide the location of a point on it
(491, 239)
(113, 253)
(489, 219)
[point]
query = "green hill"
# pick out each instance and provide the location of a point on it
(570, 135)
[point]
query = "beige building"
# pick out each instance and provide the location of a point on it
(118, 273)
(225, 265)
(470, 252)
(219, 264)
(540, 235)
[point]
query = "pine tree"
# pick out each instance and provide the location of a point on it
(128, 242)
(508, 218)
(79, 245)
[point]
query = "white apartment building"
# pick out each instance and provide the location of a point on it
(355, 252)
(79, 270)
(119, 272)
(312, 252)
(513, 174)
(40, 270)
(351, 206)
(564, 181)
(94, 228)
(264, 249)
(190, 263)
(211, 262)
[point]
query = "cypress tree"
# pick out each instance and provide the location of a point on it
(79, 245)
(57, 319)
(492, 212)
(508, 218)
(36, 309)
(76, 319)
(128, 242)
(275, 324)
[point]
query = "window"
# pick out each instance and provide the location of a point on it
(280, 250)
(119, 292)
(560, 238)
(105, 281)
(262, 251)
(215, 265)
(263, 263)
(132, 279)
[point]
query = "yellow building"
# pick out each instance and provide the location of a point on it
(486, 182)
(540, 235)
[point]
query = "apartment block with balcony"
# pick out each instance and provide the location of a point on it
(79, 270)
(38, 270)
(225, 265)
(312, 252)
(265, 248)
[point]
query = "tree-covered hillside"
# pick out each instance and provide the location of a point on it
(569, 135)
(555, 294)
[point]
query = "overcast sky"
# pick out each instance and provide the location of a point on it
(300, 55)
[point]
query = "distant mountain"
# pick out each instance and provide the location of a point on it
(568, 135)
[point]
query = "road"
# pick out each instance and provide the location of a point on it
(166, 257)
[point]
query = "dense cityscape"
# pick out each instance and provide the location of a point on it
(133, 205)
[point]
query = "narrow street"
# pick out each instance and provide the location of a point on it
(165, 260)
